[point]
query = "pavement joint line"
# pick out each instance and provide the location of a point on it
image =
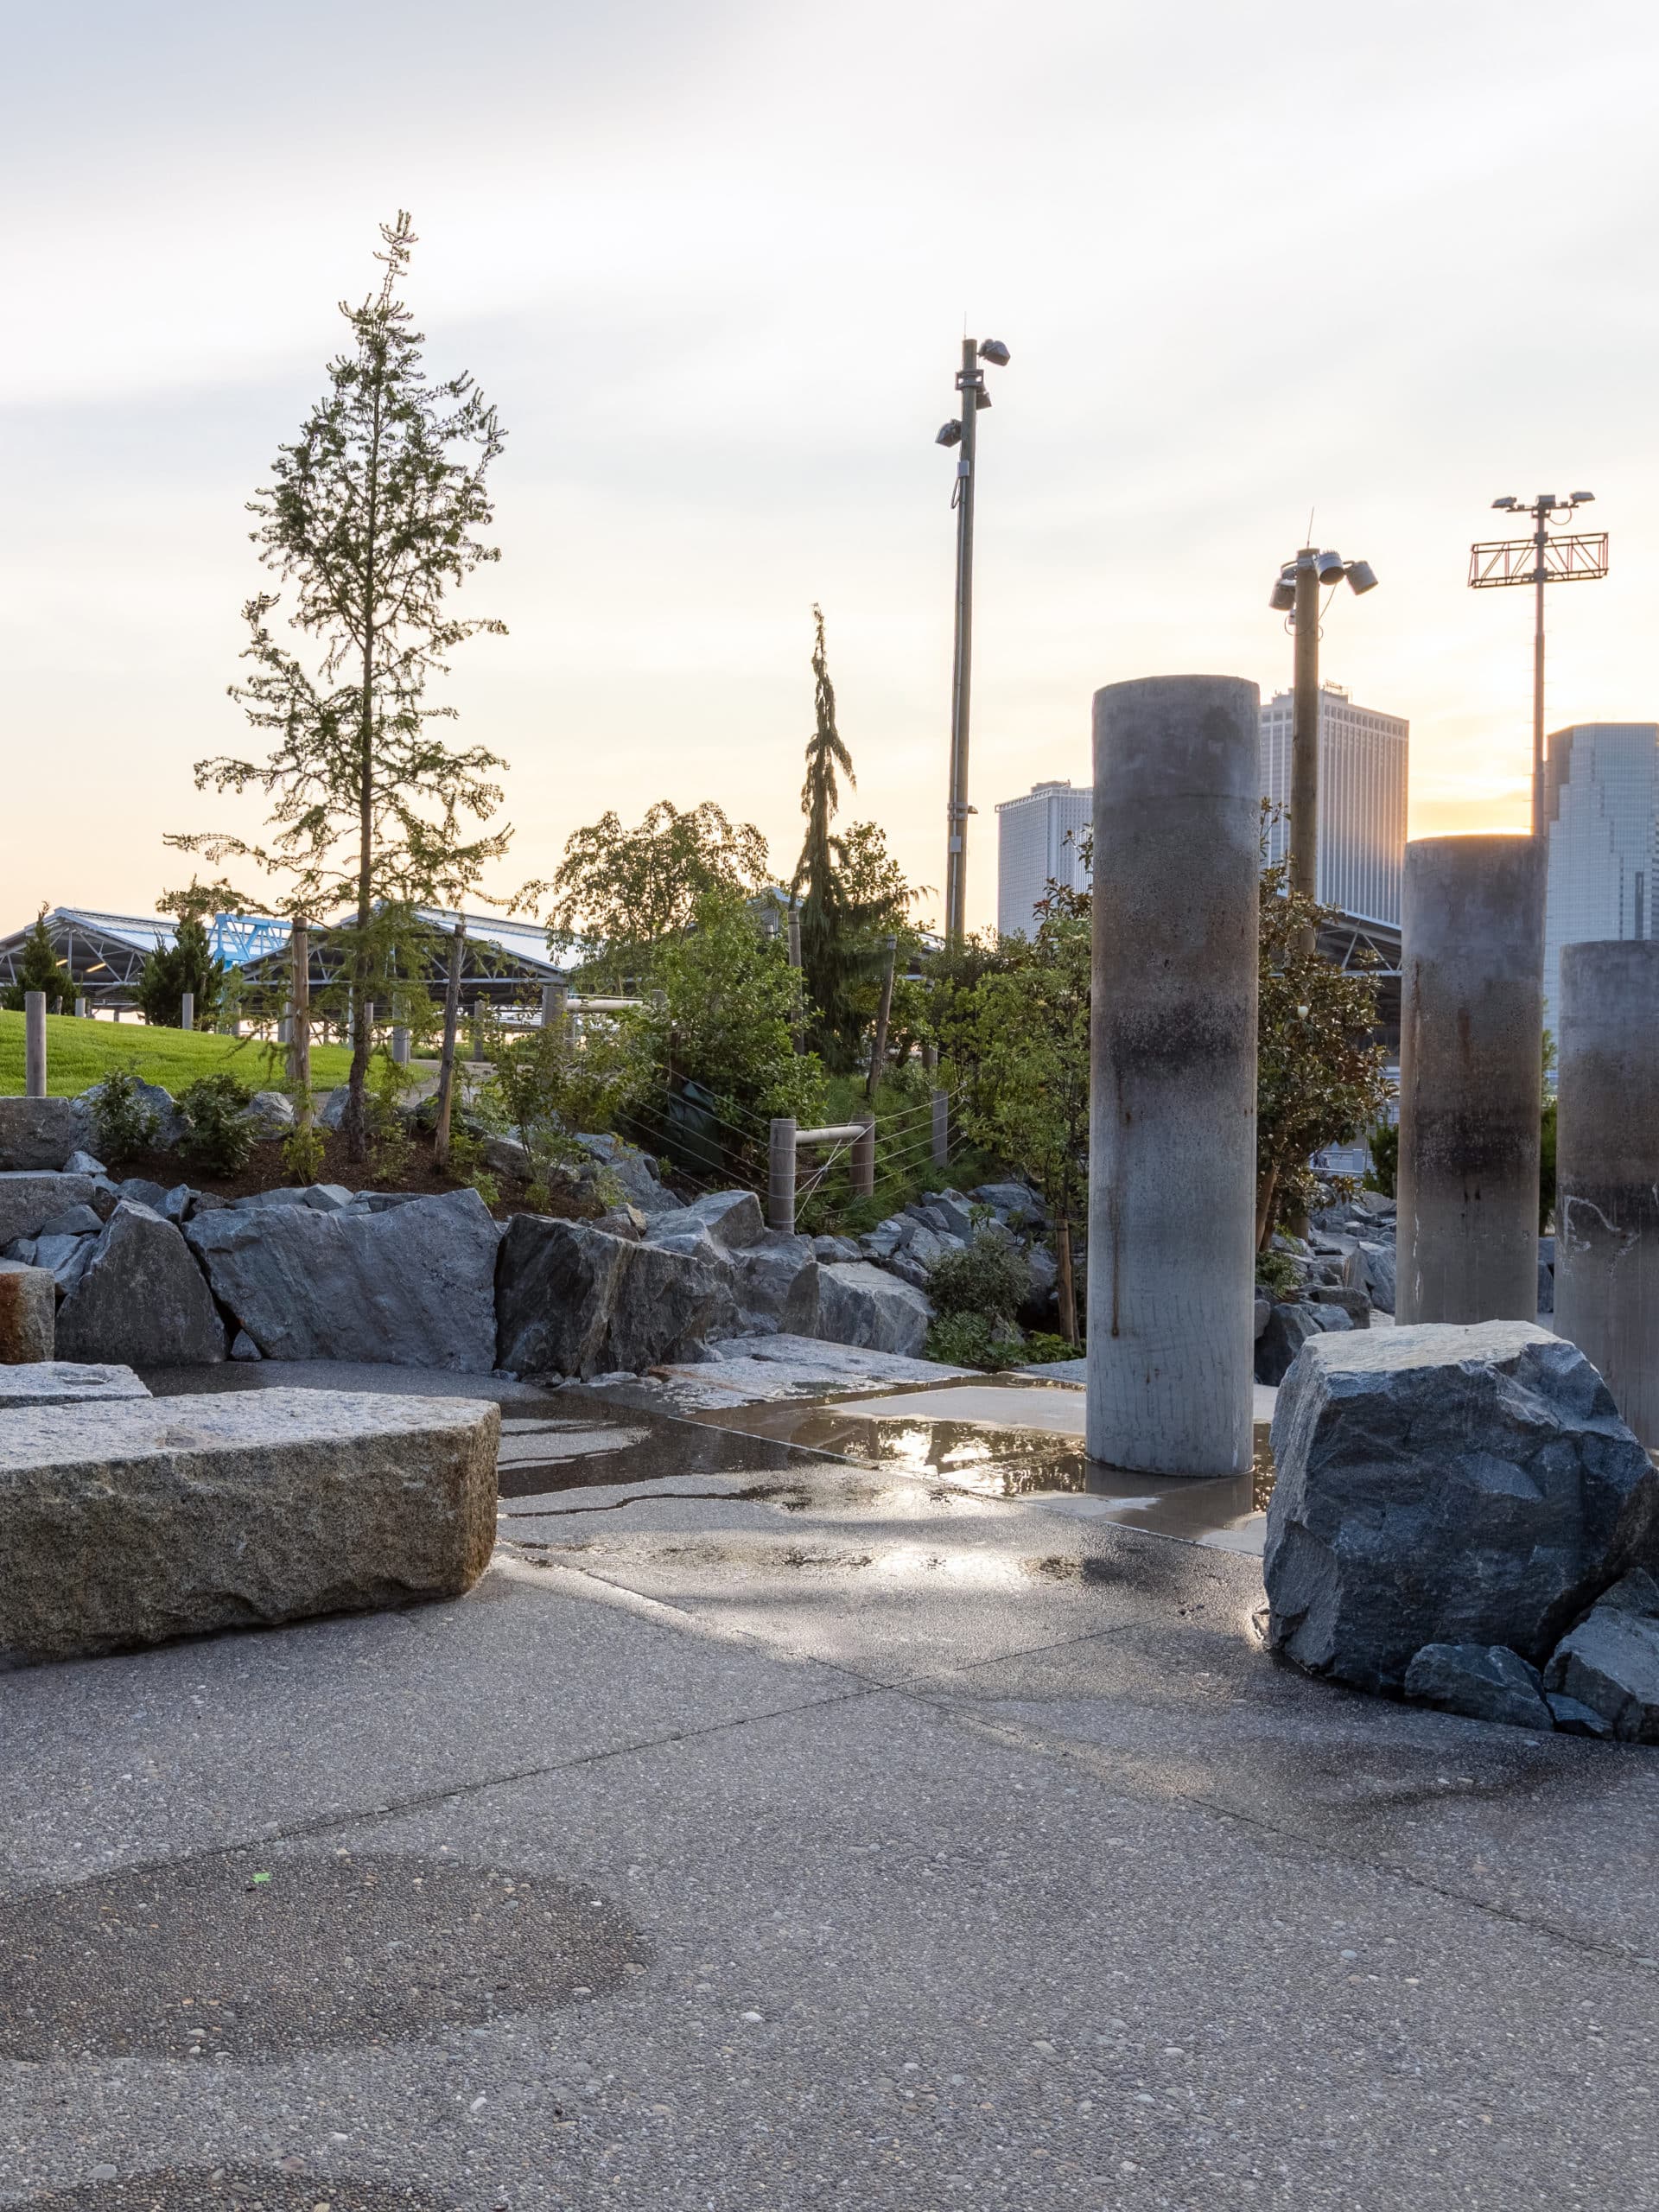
(1091, 1755)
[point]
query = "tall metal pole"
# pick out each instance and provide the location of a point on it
(1540, 540)
(955, 861)
(1305, 731)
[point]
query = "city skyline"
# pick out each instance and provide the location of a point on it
(713, 269)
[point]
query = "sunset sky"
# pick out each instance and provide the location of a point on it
(713, 262)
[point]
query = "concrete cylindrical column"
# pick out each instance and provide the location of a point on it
(35, 1044)
(862, 1165)
(80, 1010)
(556, 1002)
(187, 1010)
(1171, 1156)
(1607, 1170)
(941, 1102)
(1471, 1076)
(780, 1175)
(400, 1044)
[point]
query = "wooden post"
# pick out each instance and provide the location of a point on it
(941, 1128)
(187, 1010)
(35, 1044)
(447, 1060)
(879, 1049)
(863, 1162)
(930, 1059)
(555, 1005)
(298, 1028)
(780, 1176)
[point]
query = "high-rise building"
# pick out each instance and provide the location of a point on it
(1038, 842)
(1601, 811)
(1362, 800)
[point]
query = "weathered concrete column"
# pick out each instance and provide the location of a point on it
(861, 1165)
(400, 1044)
(1471, 1076)
(80, 1009)
(1607, 1170)
(941, 1128)
(187, 1010)
(780, 1175)
(1172, 1155)
(34, 1043)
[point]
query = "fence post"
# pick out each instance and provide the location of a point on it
(299, 1027)
(447, 1062)
(941, 1128)
(187, 1010)
(863, 1159)
(930, 1058)
(780, 1176)
(555, 1005)
(35, 1044)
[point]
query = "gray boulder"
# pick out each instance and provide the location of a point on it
(139, 1191)
(64, 1383)
(1263, 1312)
(1042, 1272)
(330, 1107)
(1377, 1261)
(956, 1214)
(128, 1523)
(1447, 1485)
(1610, 1662)
(30, 1199)
(74, 1221)
(927, 1247)
(65, 1257)
(1573, 1718)
(36, 1132)
(571, 1301)
(859, 1303)
(411, 1287)
(507, 1156)
(777, 1286)
(29, 1306)
(158, 1103)
(1546, 1274)
(83, 1163)
(835, 1247)
(732, 1217)
(623, 1221)
(1288, 1328)
(885, 1238)
(634, 1172)
(140, 1300)
(271, 1113)
(1484, 1681)
(1010, 1200)
(291, 1194)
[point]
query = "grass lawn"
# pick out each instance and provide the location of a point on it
(82, 1053)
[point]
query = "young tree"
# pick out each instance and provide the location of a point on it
(730, 1006)
(854, 890)
(188, 964)
(633, 889)
(374, 516)
(38, 970)
(554, 1086)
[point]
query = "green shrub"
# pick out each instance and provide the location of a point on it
(1384, 1144)
(989, 1278)
(1041, 1347)
(977, 1340)
(1275, 1272)
(217, 1134)
(303, 1153)
(122, 1123)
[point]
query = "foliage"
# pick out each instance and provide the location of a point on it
(217, 1135)
(977, 1340)
(854, 891)
(730, 1006)
(302, 1152)
(188, 964)
(630, 889)
(1031, 1099)
(1321, 1076)
(955, 971)
(988, 1277)
(122, 1123)
(373, 515)
(552, 1086)
(38, 970)
(1042, 1349)
(390, 1144)
(1383, 1142)
(1276, 1274)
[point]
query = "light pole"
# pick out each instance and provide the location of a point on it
(1539, 560)
(1296, 595)
(961, 431)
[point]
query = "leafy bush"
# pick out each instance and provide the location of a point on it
(1041, 1347)
(303, 1153)
(122, 1123)
(1384, 1145)
(1276, 1274)
(989, 1278)
(977, 1340)
(217, 1133)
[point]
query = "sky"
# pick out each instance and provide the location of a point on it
(714, 263)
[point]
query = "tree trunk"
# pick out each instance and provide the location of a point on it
(1265, 1192)
(446, 1065)
(1065, 1288)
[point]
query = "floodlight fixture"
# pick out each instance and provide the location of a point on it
(981, 397)
(1584, 498)
(1361, 576)
(1508, 500)
(1283, 600)
(949, 433)
(1328, 568)
(995, 352)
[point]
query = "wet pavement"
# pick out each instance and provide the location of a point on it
(791, 1823)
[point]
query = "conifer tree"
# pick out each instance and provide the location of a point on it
(38, 970)
(374, 516)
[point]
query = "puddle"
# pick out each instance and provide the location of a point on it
(541, 1460)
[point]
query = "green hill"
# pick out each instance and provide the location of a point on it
(82, 1053)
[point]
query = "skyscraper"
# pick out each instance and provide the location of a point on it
(1601, 811)
(1362, 800)
(1038, 839)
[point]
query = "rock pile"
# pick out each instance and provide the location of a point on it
(911, 1243)
(1460, 1518)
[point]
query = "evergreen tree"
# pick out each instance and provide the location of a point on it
(374, 516)
(188, 964)
(38, 970)
(841, 951)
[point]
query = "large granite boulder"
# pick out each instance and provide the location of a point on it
(1610, 1661)
(634, 1173)
(65, 1383)
(776, 1285)
(29, 1312)
(140, 1300)
(36, 1132)
(29, 1198)
(733, 1219)
(1447, 1485)
(128, 1524)
(572, 1300)
(1484, 1682)
(1288, 1328)
(859, 1303)
(1377, 1267)
(411, 1287)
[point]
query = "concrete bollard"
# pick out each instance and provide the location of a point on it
(1471, 1078)
(80, 1010)
(555, 1005)
(941, 1128)
(780, 1175)
(862, 1164)
(1607, 1171)
(1172, 1160)
(399, 1046)
(187, 1010)
(34, 1043)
